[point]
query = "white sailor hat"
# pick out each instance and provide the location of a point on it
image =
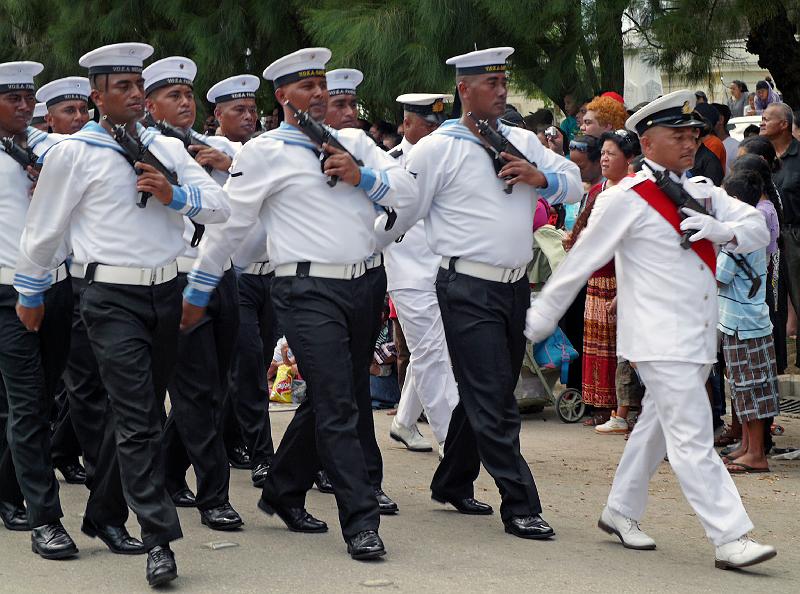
(675, 110)
(38, 113)
(304, 63)
(18, 76)
(117, 58)
(175, 70)
(428, 106)
(71, 88)
(242, 86)
(485, 61)
(343, 81)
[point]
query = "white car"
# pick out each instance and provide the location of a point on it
(736, 126)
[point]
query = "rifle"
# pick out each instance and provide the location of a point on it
(495, 143)
(320, 135)
(24, 156)
(682, 199)
(171, 131)
(134, 151)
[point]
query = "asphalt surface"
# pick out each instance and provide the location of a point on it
(432, 548)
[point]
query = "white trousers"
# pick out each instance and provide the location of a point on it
(429, 383)
(676, 420)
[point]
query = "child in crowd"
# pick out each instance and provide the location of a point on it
(747, 342)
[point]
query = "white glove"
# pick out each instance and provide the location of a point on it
(707, 227)
(537, 327)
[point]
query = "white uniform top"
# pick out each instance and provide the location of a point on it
(276, 179)
(410, 264)
(666, 296)
(15, 199)
(88, 187)
(468, 214)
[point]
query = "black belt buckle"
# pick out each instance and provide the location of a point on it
(91, 268)
(303, 269)
(451, 269)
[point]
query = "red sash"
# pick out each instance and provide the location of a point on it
(651, 194)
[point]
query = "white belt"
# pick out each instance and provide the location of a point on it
(123, 275)
(374, 261)
(257, 268)
(486, 271)
(336, 271)
(185, 264)
(57, 274)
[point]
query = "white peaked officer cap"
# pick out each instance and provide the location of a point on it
(71, 88)
(175, 70)
(18, 76)
(304, 63)
(38, 113)
(485, 61)
(343, 81)
(242, 86)
(117, 58)
(675, 110)
(428, 106)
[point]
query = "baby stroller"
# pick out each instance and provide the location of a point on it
(537, 379)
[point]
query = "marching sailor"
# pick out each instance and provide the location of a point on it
(411, 269)
(319, 221)
(192, 432)
(127, 231)
(484, 235)
(39, 119)
(667, 313)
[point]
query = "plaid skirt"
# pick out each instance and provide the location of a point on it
(752, 375)
(600, 344)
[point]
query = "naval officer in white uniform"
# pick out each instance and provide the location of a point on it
(666, 326)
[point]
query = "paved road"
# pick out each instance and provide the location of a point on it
(434, 549)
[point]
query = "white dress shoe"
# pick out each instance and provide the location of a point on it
(742, 552)
(626, 529)
(410, 437)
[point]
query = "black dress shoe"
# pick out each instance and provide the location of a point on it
(222, 517)
(73, 472)
(533, 527)
(365, 545)
(297, 519)
(259, 474)
(239, 457)
(468, 505)
(161, 566)
(116, 538)
(184, 498)
(323, 483)
(14, 518)
(51, 541)
(385, 505)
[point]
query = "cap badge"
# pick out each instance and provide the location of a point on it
(438, 106)
(686, 107)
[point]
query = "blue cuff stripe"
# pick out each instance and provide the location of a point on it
(197, 297)
(200, 274)
(178, 198)
(368, 179)
(379, 194)
(194, 194)
(32, 279)
(34, 300)
(205, 283)
(555, 192)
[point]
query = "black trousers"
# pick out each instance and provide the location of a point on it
(193, 431)
(133, 331)
(483, 323)
(31, 364)
(248, 392)
(325, 327)
(90, 416)
(64, 444)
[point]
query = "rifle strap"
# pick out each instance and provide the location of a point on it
(198, 234)
(656, 198)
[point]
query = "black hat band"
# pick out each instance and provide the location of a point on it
(168, 82)
(67, 97)
(299, 75)
(335, 92)
(485, 69)
(673, 117)
(10, 87)
(106, 69)
(235, 96)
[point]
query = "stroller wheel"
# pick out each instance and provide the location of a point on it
(570, 406)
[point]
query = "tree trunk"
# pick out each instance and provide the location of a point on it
(608, 24)
(773, 41)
